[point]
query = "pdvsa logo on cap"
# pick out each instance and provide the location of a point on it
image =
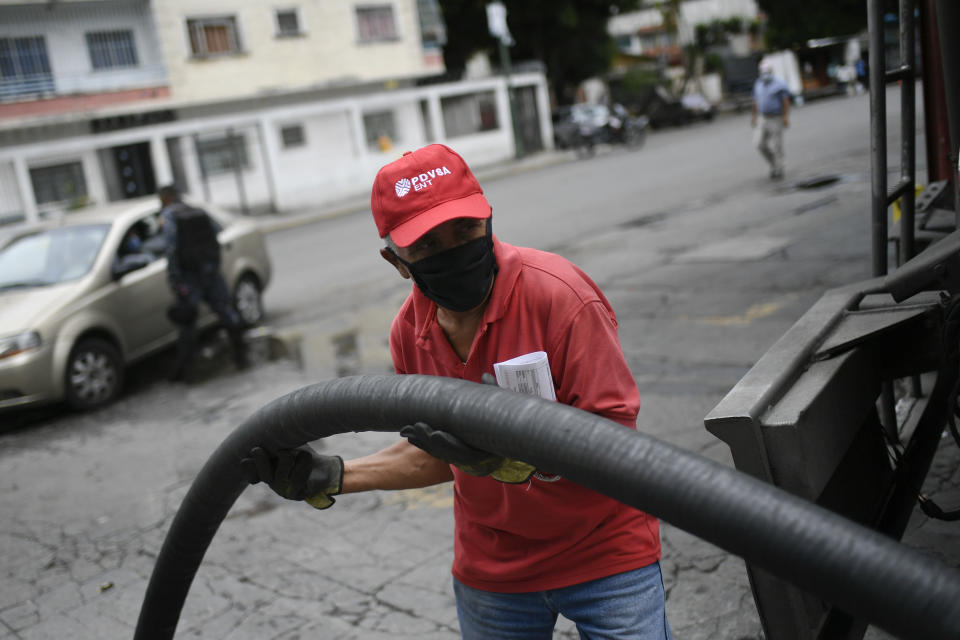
(419, 182)
(402, 187)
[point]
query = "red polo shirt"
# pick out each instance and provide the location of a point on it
(539, 535)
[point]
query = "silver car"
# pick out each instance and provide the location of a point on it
(79, 301)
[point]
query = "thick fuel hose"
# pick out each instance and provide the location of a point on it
(866, 574)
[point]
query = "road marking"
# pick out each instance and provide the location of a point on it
(735, 249)
(755, 312)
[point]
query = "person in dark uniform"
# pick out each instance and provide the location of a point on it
(193, 271)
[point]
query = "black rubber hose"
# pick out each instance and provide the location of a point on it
(859, 570)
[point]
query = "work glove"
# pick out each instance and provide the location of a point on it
(297, 474)
(453, 450)
(476, 462)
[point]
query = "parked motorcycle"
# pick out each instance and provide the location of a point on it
(582, 127)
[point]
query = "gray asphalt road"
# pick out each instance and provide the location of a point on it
(677, 170)
(706, 262)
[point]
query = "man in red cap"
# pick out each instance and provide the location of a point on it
(529, 546)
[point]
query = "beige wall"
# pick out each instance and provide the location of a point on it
(328, 52)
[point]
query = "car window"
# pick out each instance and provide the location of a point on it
(143, 237)
(150, 225)
(51, 256)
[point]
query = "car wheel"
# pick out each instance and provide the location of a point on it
(248, 300)
(94, 374)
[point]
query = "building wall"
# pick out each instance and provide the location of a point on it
(64, 27)
(11, 205)
(694, 12)
(632, 24)
(212, 101)
(335, 162)
(327, 53)
(326, 157)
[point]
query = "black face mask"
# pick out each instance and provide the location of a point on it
(457, 279)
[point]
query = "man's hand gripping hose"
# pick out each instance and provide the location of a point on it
(297, 474)
(476, 462)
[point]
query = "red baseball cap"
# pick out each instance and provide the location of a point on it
(422, 189)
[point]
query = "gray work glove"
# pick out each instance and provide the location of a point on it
(297, 474)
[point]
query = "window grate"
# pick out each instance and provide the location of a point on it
(111, 49)
(293, 136)
(58, 183)
(380, 130)
(433, 31)
(288, 22)
(213, 36)
(376, 23)
(220, 155)
(469, 113)
(24, 66)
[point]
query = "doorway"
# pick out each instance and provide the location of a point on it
(528, 119)
(132, 172)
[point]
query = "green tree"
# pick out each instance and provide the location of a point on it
(569, 36)
(790, 23)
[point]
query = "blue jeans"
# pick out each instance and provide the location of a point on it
(624, 606)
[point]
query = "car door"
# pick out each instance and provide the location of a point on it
(230, 245)
(141, 296)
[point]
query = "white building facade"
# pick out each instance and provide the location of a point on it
(253, 106)
(639, 32)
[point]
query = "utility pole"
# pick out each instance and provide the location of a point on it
(497, 24)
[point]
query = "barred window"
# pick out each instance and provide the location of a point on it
(469, 113)
(376, 23)
(58, 183)
(433, 31)
(292, 136)
(213, 36)
(220, 155)
(380, 129)
(111, 49)
(288, 22)
(24, 66)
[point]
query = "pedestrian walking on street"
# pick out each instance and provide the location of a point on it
(193, 272)
(529, 546)
(771, 115)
